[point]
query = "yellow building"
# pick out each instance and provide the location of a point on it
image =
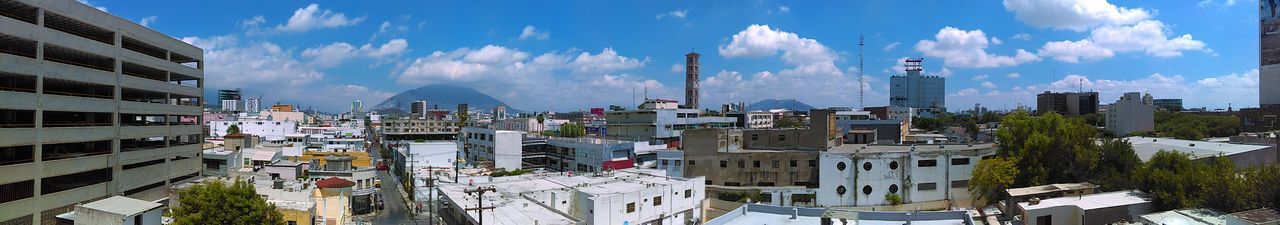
(332, 197)
(299, 213)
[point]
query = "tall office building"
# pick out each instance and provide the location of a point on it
(1133, 112)
(918, 91)
(230, 105)
(691, 67)
(91, 106)
(252, 105)
(418, 109)
(499, 112)
(229, 94)
(1067, 103)
(357, 107)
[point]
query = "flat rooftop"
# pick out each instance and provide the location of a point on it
(524, 199)
(1186, 217)
(217, 151)
(1259, 216)
(121, 205)
(1089, 202)
(755, 214)
(1146, 147)
(864, 148)
(1049, 188)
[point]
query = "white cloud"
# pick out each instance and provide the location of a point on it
(533, 32)
(979, 77)
(1076, 15)
(677, 68)
(996, 41)
(945, 72)
(782, 9)
(967, 49)
(1022, 37)
(892, 46)
(147, 21)
(393, 48)
(312, 17)
(231, 64)
(525, 81)
(760, 40)
(334, 54)
(1147, 36)
(1207, 3)
(1013, 75)
(90, 4)
(677, 14)
(988, 85)
(253, 22)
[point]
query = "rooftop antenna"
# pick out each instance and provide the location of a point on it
(861, 92)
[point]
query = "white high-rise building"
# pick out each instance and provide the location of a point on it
(91, 106)
(252, 105)
(230, 105)
(357, 107)
(1131, 113)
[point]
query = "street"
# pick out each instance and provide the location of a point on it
(396, 210)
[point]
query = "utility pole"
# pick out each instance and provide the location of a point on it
(431, 184)
(479, 192)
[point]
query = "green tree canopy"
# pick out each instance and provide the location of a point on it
(788, 123)
(573, 130)
(214, 202)
(1051, 148)
(233, 129)
(1189, 126)
(991, 177)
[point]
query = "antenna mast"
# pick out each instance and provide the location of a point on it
(860, 69)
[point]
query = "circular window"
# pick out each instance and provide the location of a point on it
(866, 166)
(840, 190)
(840, 166)
(893, 165)
(866, 190)
(893, 188)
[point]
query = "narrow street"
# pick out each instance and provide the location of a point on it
(396, 210)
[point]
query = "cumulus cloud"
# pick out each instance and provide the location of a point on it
(988, 85)
(1013, 75)
(1076, 15)
(761, 40)
(312, 17)
(253, 22)
(1207, 3)
(533, 32)
(674, 14)
(336, 53)
(233, 64)
(967, 49)
(1147, 36)
(147, 21)
(677, 68)
(1022, 37)
(979, 77)
(527, 81)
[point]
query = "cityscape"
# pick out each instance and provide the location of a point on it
(1011, 112)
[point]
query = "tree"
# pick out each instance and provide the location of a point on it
(233, 129)
(573, 130)
(541, 118)
(462, 119)
(1115, 166)
(991, 177)
(1050, 148)
(214, 202)
(1189, 126)
(787, 123)
(893, 199)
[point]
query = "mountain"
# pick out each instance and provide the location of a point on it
(789, 104)
(443, 96)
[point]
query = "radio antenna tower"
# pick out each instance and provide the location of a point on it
(860, 69)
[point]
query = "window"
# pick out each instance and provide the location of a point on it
(866, 166)
(813, 163)
(1044, 220)
(17, 191)
(840, 166)
(893, 188)
(755, 163)
(73, 150)
(793, 163)
(708, 182)
(893, 165)
(664, 162)
(765, 184)
(959, 161)
(631, 207)
(927, 163)
(840, 190)
(866, 190)
(724, 164)
(755, 137)
(742, 164)
(959, 183)
(688, 193)
(926, 186)
(691, 162)
(735, 184)
(782, 137)
(142, 164)
(50, 185)
(657, 200)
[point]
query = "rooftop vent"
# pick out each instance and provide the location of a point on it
(1034, 201)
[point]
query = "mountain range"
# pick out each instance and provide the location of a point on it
(440, 96)
(789, 104)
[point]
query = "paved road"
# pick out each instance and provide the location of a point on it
(395, 209)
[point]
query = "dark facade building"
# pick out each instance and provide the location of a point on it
(1170, 104)
(1067, 103)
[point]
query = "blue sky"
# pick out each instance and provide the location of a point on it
(568, 55)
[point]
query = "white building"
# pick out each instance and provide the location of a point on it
(530, 125)
(256, 128)
(757, 214)
(1242, 155)
(501, 147)
(118, 210)
(1131, 113)
(84, 95)
(630, 196)
(219, 162)
(1103, 208)
(658, 121)
(230, 105)
(252, 105)
(861, 175)
(432, 153)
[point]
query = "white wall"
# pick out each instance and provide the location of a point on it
(881, 177)
(437, 154)
(612, 209)
(258, 128)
